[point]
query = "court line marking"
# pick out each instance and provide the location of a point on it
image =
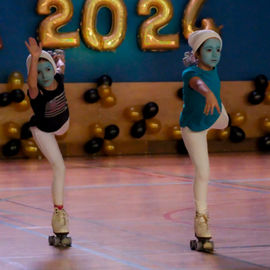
(78, 247)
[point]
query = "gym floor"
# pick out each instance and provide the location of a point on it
(136, 212)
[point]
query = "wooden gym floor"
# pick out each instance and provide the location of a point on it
(136, 213)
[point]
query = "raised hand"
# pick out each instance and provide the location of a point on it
(33, 47)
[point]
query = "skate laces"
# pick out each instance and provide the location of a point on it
(61, 215)
(202, 218)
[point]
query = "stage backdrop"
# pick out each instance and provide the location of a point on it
(246, 36)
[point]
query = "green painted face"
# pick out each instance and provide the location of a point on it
(45, 73)
(210, 53)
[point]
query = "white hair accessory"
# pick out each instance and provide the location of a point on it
(197, 38)
(44, 55)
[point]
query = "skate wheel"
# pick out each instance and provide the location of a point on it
(66, 242)
(193, 244)
(51, 240)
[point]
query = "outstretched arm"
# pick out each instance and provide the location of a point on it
(35, 50)
(198, 85)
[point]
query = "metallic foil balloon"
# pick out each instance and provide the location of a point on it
(265, 124)
(133, 113)
(211, 134)
(238, 118)
(96, 130)
(108, 101)
(30, 149)
(11, 130)
(149, 36)
(22, 106)
(119, 24)
(104, 91)
(190, 16)
(223, 134)
(48, 29)
(175, 132)
(153, 126)
(109, 148)
(15, 81)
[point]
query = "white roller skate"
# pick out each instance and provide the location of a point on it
(60, 225)
(202, 233)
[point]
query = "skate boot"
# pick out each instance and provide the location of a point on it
(202, 233)
(60, 227)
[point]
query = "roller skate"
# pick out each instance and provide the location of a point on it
(61, 229)
(203, 234)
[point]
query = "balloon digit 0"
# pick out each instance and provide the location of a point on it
(119, 24)
(150, 39)
(48, 34)
(190, 16)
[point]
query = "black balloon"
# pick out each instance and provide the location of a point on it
(138, 129)
(111, 132)
(25, 131)
(11, 148)
(264, 143)
(17, 95)
(104, 79)
(91, 95)
(230, 120)
(237, 134)
(150, 109)
(5, 99)
(180, 93)
(181, 148)
(261, 82)
(256, 97)
(93, 146)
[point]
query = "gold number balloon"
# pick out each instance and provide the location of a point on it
(190, 16)
(48, 29)
(149, 36)
(119, 24)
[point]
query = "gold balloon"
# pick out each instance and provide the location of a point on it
(104, 91)
(15, 81)
(211, 134)
(238, 118)
(22, 106)
(109, 148)
(267, 97)
(223, 134)
(119, 24)
(133, 113)
(11, 130)
(108, 101)
(48, 29)
(190, 16)
(96, 130)
(149, 36)
(30, 149)
(153, 126)
(265, 124)
(175, 132)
